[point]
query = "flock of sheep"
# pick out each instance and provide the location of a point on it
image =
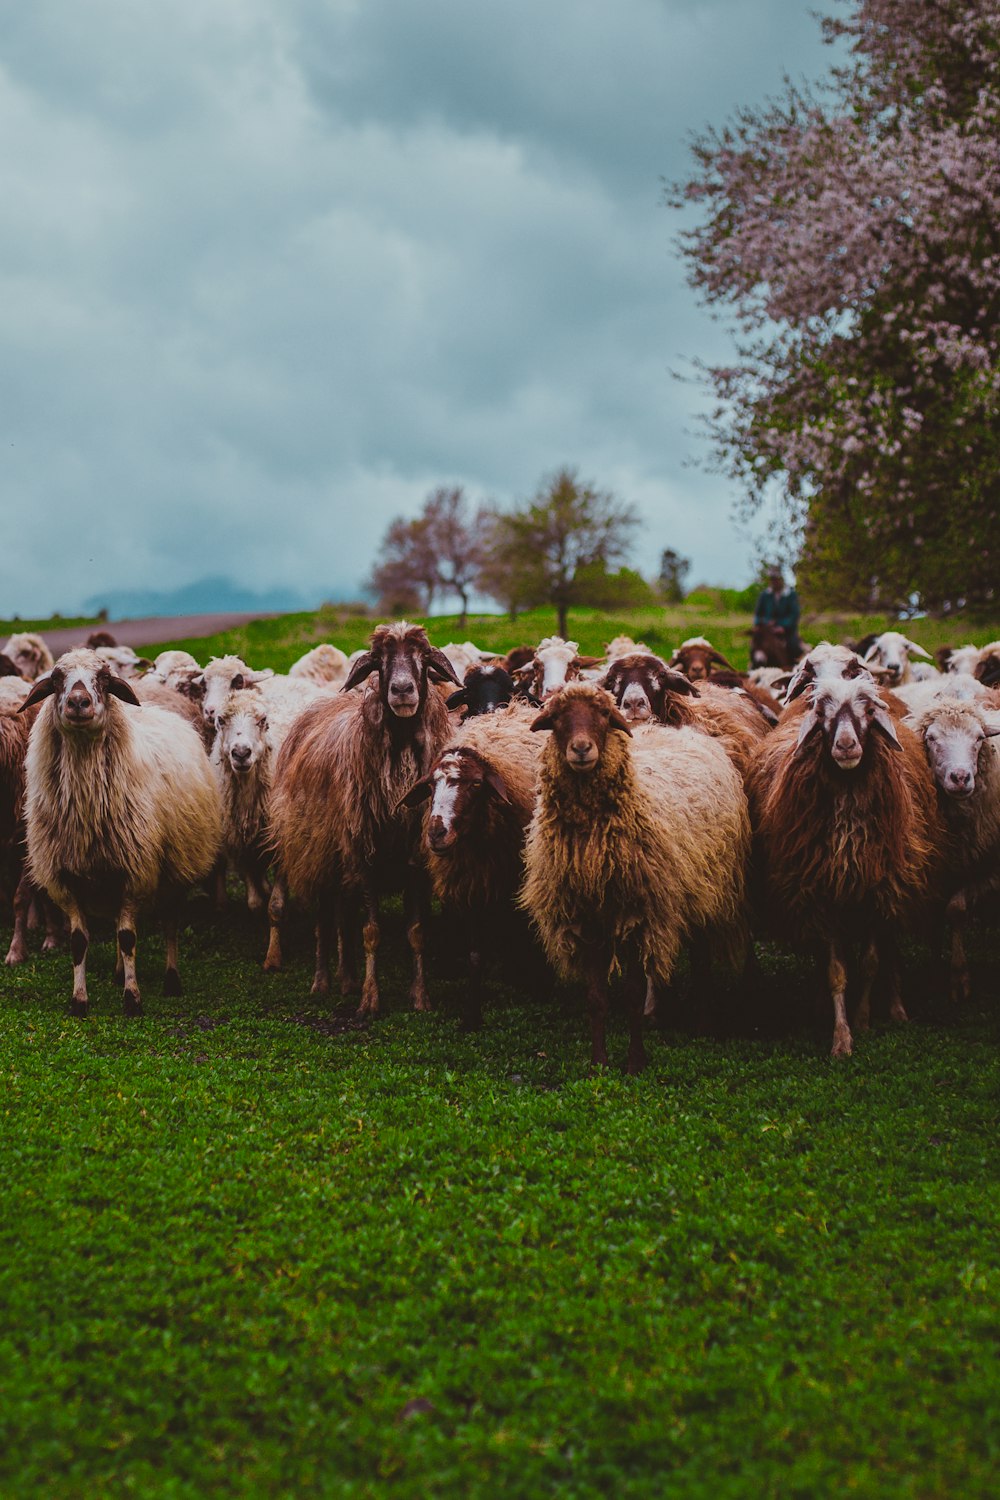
(629, 807)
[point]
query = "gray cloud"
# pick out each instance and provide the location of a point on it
(272, 269)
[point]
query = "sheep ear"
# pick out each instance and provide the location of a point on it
(912, 646)
(616, 720)
(883, 719)
(717, 656)
(362, 668)
(545, 720)
(871, 652)
(43, 688)
(119, 688)
(676, 682)
(810, 724)
(440, 669)
(419, 792)
(800, 679)
(588, 661)
(456, 700)
(496, 784)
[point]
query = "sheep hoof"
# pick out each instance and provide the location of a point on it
(368, 1005)
(320, 986)
(50, 944)
(272, 964)
(348, 984)
(636, 1064)
(172, 983)
(132, 1003)
(420, 1001)
(841, 1045)
(15, 956)
(79, 1007)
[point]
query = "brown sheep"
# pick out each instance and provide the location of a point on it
(480, 794)
(696, 658)
(632, 849)
(848, 834)
(344, 767)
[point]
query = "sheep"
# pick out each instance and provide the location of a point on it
(824, 662)
(9, 668)
(30, 655)
(123, 661)
(957, 736)
(888, 655)
(222, 676)
(347, 762)
(918, 696)
(987, 665)
(465, 655)
(149, 690)
(120, 808)
(957, 658)
(849, 840)
(485, 689)
(479, 796)
(98, 638)
(648, 691)
(696, 657)
(632, 849)
(249, 736)
(324, 664)
(623, 645)
(173, 667)
(15, 730)
(554, 663)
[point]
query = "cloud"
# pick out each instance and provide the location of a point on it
(273, 269)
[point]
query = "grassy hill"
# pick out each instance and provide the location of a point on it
(251, 1248)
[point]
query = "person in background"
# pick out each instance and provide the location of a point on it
(780, 606)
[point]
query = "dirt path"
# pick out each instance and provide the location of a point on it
(138, 633)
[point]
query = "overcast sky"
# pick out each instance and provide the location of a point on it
(273, 269)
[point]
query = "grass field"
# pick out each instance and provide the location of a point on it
(250, 1248)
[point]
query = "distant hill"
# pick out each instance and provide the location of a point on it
(205, 596)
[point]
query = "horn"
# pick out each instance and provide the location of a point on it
(440, 668)
(362, 668)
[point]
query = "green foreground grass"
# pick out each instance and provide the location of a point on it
(250, 1248)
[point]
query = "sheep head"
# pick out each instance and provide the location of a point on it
(404, 659)
(581, 717)
(458, 785)
(645, 688)
(81, 684)
(844, 711)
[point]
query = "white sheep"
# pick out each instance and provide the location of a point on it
(30, 654)
(958, 736)
(121, 808)
(324, 664)
(888, 657)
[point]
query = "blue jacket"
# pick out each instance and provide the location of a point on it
(780, 610)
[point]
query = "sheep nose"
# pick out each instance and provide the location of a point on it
(79, 705)
(582, 749)
(240, 754)
(960, 780)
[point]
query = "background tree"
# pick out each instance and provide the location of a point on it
(438, 553)
(855, 233)
(557, 549)
(673, 570)
(405, 578)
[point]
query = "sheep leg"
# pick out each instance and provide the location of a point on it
(132, 1000)
(596, 963)
(649, 1004)
(18, 950)
(837, 981)
(347, 968)
(960, 986)
(369, 990)
(869, 968)
(635, 1001)
(218, 883)
(414, 903)
(79, 938)
(256, 884)
(171, 975)
(53, 924)
(276, 915)
(701, 983)
(324, 932)
(472, 1012)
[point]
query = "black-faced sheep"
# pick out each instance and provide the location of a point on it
(344, 768)
(485, 689)
(849, 841)
(479, 796)
(632, 849)
(121, 808)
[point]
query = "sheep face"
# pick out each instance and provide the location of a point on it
(957, 743)
(645, 688)
(845, 711)
(485, 689)
(404, 659)
(890, 654)
(29, 654)
(555, 663)
(825, 662)
(458, 786)
(222, 676)
(241, 732)
(81, 684)
(581, 718)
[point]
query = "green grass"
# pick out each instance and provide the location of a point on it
(250, 1248)
(278, 642)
